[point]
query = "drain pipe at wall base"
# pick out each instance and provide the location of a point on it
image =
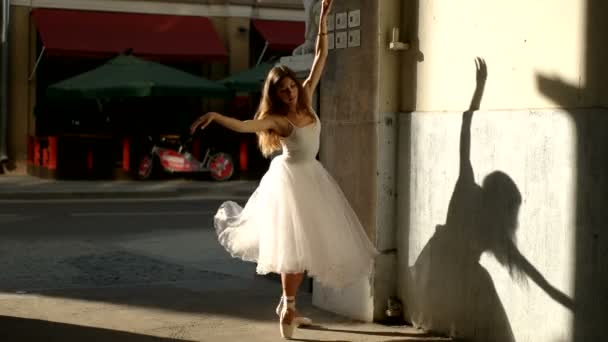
(4, 83)
(387, 305)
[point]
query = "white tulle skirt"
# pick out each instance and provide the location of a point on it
(298, 220)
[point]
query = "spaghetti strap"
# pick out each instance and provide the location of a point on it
(315, 116)
(290, 122)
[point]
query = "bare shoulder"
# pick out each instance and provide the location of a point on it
(276, 118)
(281, 123)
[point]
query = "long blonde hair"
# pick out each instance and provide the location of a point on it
(271, 104)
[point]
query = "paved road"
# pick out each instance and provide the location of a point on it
(107, 218)
(82, 243)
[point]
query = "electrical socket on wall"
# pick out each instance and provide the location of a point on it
(341, 40)
(341, 20)
(354, 38)
(354, 18)
(331, 42)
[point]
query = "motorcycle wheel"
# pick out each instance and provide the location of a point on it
(146, 165)
(221, 166)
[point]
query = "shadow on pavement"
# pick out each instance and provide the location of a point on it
(309, 340)
(413, 339)
(374, 333)
(25, 329)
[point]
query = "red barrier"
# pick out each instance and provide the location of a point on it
(45, 158)
(126, 154)
(89, 159)
(243, 156)
(52, 153)
(196, 148)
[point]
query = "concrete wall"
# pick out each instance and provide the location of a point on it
(385, 284)
(359, 105)
(21, 90)
(348, 111)
(473, 262)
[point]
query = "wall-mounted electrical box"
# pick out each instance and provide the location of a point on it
(341, 21)
(341, 40)
(331, 41)
(354, 38)
(354, 18)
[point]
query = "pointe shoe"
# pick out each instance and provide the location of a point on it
(287, 324)
(300, 321)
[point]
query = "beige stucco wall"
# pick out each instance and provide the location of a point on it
(235, 41)
(237, 44)
(542, 69)
(521, 41)
(459, 273)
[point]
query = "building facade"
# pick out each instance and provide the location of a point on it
(42, 50)
(490, 223)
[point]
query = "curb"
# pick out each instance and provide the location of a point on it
(58, 195)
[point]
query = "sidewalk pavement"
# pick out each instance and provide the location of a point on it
(171, 286)
(25, 187)
(178, 315)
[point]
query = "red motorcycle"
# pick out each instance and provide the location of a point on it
(179, 160)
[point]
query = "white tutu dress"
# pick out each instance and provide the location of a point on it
(298, 219)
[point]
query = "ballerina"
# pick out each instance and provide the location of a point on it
(298, 219)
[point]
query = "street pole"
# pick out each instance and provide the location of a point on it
(3, 82)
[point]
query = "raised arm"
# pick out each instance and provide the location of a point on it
(269, 123)
(481, 75)
(318, 64)
(466, 169)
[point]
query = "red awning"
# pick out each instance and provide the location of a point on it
(281, 35)
(104, 34)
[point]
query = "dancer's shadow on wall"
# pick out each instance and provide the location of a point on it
(448, 289)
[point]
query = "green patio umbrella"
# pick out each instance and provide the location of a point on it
(250, 80)
(129, 76)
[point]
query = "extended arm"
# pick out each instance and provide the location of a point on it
(523, 264)
(310, 84)
(269, 123)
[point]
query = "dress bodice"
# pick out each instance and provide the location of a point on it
(303, 142)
